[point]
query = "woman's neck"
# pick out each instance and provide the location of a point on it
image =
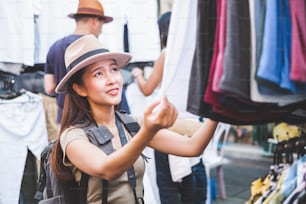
(104, 116)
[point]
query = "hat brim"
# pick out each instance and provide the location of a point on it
(122, 59)
(106, 19)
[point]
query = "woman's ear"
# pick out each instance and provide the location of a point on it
(79, 89)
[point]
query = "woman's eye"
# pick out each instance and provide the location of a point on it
(97, 74)
(115, 69)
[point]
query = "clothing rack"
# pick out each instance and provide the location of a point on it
(285, 182)
(7, 85)
(289, 150)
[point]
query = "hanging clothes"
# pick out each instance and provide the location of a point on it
(257, 15)
(221, 44)
(211, 97)
(205, 38)
(54, 23)
(140, 17)
(235, 78)
(180, 51)
(23, 128)
(274, 65)
(236, 101)
(298, 42)
(236, 111)
(17, 32)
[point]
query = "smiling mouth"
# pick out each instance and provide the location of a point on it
(113, 91)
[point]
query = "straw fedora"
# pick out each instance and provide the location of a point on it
(85, 51)
(91, 7)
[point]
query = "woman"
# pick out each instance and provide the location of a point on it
(93, 86)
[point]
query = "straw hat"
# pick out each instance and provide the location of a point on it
(91, 7)
(85, 51)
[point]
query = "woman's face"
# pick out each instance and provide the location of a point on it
(102, 83)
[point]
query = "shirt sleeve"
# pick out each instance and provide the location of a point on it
(68, 136)
(48, 68)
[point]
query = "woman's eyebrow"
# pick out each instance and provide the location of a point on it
(113, 63)
(96, 68)
(101, 66)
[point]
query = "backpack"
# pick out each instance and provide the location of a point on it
(53, 191)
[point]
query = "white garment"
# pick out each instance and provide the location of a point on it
(179, 167)
(13, 68)
(54, 23)
(179, 56)
(141, 18)
(23, 127)
(151, 193)
(136, 100)
(17, 32)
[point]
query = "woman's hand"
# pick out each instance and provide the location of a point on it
(160, 114)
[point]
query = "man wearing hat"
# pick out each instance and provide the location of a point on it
(89, 19)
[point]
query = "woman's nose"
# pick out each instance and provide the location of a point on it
(110, 77)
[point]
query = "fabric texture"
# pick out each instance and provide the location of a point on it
(257, 11)
(180, 51)
(235, 78)
(23, 128)
(274, 64)
(17, 33)
(205, 37)
(221, 44)
(298, 41)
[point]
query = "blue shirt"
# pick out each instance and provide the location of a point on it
(55, 64)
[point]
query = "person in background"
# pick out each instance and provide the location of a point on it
(192, 188)
(93, 86)
(148, 86)
(89, 19)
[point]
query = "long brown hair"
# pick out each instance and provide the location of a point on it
(76, 109)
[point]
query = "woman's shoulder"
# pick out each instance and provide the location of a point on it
(72, 133)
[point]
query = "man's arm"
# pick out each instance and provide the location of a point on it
(49, 84)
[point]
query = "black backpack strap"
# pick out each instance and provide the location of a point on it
(105, 191)
(129, 122)
(43, 181)
(130, 171)
(131, 125)
(84, 187)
